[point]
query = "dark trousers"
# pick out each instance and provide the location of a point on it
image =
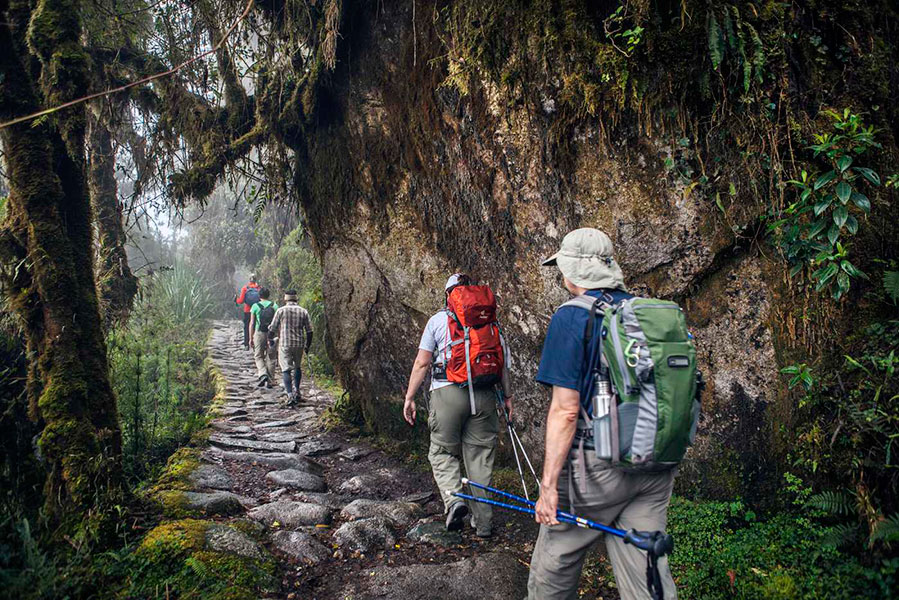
(290, 386)
(246, 329)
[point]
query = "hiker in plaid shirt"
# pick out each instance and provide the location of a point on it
(294, 330)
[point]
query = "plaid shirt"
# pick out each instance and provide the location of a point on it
(292, 322)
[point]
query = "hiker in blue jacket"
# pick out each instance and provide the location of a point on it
(591, 487)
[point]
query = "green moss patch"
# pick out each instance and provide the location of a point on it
(174, 559)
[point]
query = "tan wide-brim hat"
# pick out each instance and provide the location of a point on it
(587, 259)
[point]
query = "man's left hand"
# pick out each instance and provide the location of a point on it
(508, 403)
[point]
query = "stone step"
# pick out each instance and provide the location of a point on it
(232, 442)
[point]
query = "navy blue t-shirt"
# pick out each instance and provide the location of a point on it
(563, 359)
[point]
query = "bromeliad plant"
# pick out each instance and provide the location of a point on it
(812, 230)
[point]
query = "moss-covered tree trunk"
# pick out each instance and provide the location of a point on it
(116, 284)
(47, 237)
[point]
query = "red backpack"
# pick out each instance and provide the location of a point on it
(472, 324)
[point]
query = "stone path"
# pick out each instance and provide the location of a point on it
(343, 519)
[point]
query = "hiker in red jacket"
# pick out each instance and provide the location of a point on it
(248, 300)
(463, 421)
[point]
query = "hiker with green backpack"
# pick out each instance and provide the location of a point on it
(624, 409)
(265, 353)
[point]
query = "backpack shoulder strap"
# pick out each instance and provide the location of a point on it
(583, 301)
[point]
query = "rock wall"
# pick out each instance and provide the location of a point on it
(407, 182)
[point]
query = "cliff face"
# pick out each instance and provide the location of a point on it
(407, 182)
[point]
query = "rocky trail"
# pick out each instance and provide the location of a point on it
(341, 518)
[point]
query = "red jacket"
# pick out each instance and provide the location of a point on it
(243, 292)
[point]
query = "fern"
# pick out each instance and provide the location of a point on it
(834, 503)
(887, 530)
(199, 568)
(840, 535)
(891, 284)
(758, 52)
(716, 53)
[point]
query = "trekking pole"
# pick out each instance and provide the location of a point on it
(521, 509)
(513, 439)
(502, 406)
(655, 543)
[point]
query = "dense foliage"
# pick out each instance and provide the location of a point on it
(158, 368)
(163, 384)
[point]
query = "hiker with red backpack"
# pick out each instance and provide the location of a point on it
(265, 353)
(248, 296)
(463, 348)
(624, 409)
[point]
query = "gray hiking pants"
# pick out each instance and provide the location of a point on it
(612, 497)
(265, 356)
(455, 434)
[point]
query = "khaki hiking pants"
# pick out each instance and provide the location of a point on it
(265, 356)
(290, 358)
(612, 497)
(455, 434)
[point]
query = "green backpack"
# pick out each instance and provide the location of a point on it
(651, 361)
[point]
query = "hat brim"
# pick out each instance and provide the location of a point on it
(551, 261)
(591, 273)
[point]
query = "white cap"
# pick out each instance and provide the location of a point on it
(454, 280)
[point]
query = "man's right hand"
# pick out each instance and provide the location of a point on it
(547, 505)
(409, 411)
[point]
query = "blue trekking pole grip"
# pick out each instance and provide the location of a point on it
(559, 513)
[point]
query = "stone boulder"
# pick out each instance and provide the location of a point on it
(301, 546)
(288, 513)
(366, 535)
(297, 480)
(401, 514)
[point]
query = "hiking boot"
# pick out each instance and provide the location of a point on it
(455, 518)
(268, 383)
(485, 534)
(291, 399)
(263, 382)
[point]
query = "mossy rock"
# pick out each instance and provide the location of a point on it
(177, 504)
(178, 468)
(176, 556)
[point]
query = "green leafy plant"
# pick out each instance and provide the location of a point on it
(625, 39)
(811, 230)
(801, 373)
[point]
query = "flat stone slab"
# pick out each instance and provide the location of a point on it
(231, 412)
(281, 436)
(355, 453)
(230, 428)
(221, 538)
(435, 533)
(297, 480)
(288, 513)
(399, 513)
(491, 576)
(300, 546)
(366, 535)
(211, 476)
(317, 448)
(224, 441)
(276, 460)
(282, 423)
